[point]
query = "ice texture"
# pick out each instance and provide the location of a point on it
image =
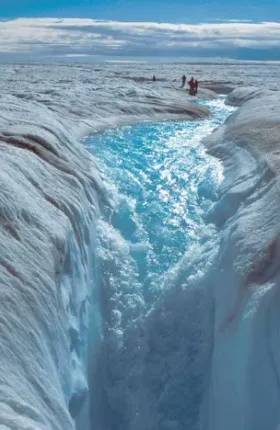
(244, 379)
(49, 201)
(243, 94)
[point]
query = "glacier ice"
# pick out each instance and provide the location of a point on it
(243, 390)
(49, 203)
(240, 95)
(221, 299)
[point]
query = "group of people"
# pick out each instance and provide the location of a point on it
(193, 85)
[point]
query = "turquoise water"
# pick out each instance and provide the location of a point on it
(153, 252)
(165, 182)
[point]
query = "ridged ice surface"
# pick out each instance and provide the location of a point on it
(158, 321)
(244, 380)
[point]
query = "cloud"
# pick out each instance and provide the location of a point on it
(87, 37)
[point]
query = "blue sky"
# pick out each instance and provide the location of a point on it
(58, 29)
(179, 11)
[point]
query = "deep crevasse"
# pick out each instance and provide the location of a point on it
(155, 254)
(50, 196)
(227, 374)
(46, 270)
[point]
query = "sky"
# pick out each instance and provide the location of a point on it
(101, 29)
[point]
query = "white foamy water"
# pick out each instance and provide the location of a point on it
(51, 196)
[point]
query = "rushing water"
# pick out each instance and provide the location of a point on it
(162, 183)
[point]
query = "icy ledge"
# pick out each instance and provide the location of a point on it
(49, 201)
(244, 382)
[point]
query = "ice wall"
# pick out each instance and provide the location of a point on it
(49, 203)
(244, 389)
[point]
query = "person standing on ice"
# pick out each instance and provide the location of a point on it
(192, 87)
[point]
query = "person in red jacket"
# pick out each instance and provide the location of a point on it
(192, 87)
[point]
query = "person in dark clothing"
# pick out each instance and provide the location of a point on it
(183, 80)
(196, 86)
(154, 78)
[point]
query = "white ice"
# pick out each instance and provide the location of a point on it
(244, 390)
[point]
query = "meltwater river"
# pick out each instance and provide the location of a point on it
(183, 313)
(162, 182)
